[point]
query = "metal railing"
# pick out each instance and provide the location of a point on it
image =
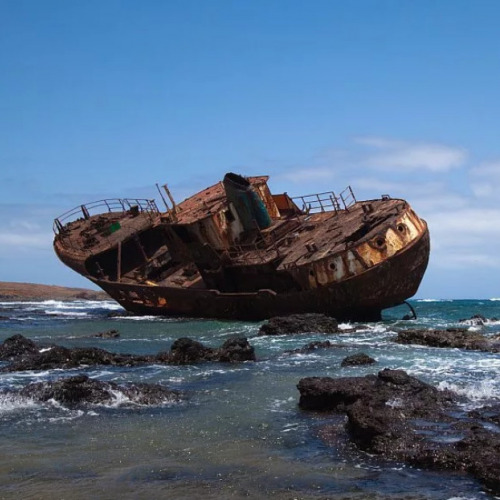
(327, 201)
(100, 206)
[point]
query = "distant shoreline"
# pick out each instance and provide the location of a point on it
(12, 291)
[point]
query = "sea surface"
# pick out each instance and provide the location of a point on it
(239, 433)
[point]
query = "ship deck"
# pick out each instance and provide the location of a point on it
(304, 239)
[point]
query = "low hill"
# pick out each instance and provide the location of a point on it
(33, 291)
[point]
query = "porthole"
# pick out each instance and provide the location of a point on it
(401, 228)
(332, 266)
(380, 242)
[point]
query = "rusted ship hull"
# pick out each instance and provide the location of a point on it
(360, 298)
(236, 251)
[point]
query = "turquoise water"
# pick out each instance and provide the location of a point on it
(239, 433)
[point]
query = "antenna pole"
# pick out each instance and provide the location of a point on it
(162, 197)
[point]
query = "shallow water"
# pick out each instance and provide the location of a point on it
(239, 433)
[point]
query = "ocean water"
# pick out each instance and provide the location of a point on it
(239, 433)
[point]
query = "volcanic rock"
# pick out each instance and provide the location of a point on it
(188, 351)
(108, 334)
(451, 337)
(235, 350)
(357, 359)
(300, 323)
(82, 389)
(400, 417)
(314, 346)
(15, 346)
(24, 354)
(477, 320)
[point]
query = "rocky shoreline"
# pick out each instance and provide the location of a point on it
(23, 354)
(399, 417)
(387, 414)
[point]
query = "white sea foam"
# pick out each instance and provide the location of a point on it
(13, 402)
(119, 399)
(281, 405)
(477, 392)
(495, 299)
(434, 300)
(158, 319)
(463, 498)
(66, 313)
(345, 326)
(290, 427)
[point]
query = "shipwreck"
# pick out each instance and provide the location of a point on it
(237, 251)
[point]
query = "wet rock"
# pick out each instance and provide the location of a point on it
(314, 346)
(487, 413)
(327, 394)
(108, 334)
(16, 346)
(402, 418)
(452, 337)
(357, 359)
(477, 453)
(82, 389)
(188, 351)
(476, 320)
(235, 350)
(299, 323)
(24, 354)
(53, 357)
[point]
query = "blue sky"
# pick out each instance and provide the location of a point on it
(105, 98)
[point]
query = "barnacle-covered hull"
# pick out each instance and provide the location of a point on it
(235, 251)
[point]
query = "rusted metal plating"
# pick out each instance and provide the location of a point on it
(211, 256)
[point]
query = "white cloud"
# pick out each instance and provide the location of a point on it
(491, 169)
(467, 260)
(485, 180)
(469, 222)
(465, 239)
(306, 175)
(398, 155)
(22, 241)
(483, 189)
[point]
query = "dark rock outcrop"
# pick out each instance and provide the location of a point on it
(108, 334)
(185, 351)
(24, 354)
(327, 394)
(357, 359)
(402, 418)
(61, 357)
(188, 351)
(451, 337)
(235, 350)
(16, 346)
(314, 346)
(81, 389)
(477, 320)
(299, 323)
